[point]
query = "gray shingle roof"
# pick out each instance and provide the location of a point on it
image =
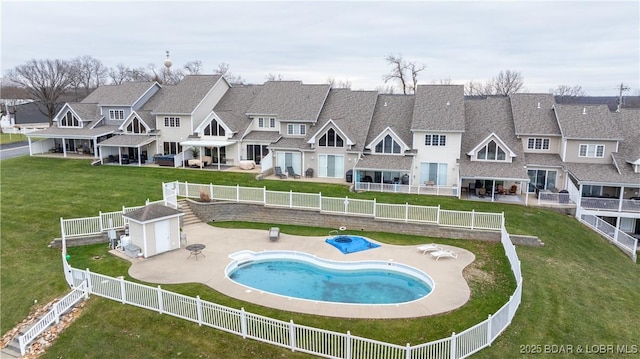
(151, 212)
(127, 140)
(394, 111)
(482, 117)
(629, 123)
(232, 107)
(147, 118)
(543, 159)
(85, 132)
(533, 114)
(86, 111)
(439, 108)
(587, 122)
(351, 111)
(125, 94)
(603, 173)
(183, 97)
(385, 162)
(289, 143)
(262, 136)
(290, 100)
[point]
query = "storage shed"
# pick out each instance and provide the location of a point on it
(155, 229)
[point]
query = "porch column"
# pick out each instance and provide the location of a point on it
(526, 193)
(615, 233)
(620, 199)
(139, 156)
(218, 153)
(30, 152)
(579, 196)
(493, 191)
(95, 149)
(120, 156)
(64, 147)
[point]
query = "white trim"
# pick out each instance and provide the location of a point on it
(347, 140)
(382, 135)
(486, 140)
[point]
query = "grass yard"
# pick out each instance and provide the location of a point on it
(6, 138)
(578, 289)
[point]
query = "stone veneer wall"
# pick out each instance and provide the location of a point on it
(229, 211)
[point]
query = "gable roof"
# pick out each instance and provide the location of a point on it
(350, 111)
(151, 212)
(484, 117)
(87, 112)
(290, 101)
(184, 97)
(629, 123)
(125, 94)
(394, 112)
(533, 114)
(587, 122)
(232, 107)
(439, 108)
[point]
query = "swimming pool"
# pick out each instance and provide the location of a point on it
(350, 244)
(304, 276)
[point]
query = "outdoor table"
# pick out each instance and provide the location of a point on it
(195, 249)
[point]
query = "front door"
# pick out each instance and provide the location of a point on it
(163, 238)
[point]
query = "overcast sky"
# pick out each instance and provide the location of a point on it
(592, 44)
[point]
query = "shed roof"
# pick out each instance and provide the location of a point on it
(152, 212)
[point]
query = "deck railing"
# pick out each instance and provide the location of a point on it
(625, 242)
(405, 188)
(296, 337)
(610, 204)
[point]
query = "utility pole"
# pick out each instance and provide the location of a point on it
(622, 88)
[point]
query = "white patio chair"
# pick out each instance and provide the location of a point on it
(444, 254)
(428, 248)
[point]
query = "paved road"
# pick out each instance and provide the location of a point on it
(14, 150)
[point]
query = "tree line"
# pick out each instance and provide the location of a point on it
(47, 81)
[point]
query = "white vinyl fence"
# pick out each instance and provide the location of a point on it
(346, 205)
(298, 337)
(625, 242)
(53, 316)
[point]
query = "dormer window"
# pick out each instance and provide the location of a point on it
(116, 114)
(492, 152)
(69, 120)
(331, 139)
(136, 126)
(264, 122)
(296, 129)
(214, 129)
(538, 144)
(591, 151)
(387, 145)
(435, 140)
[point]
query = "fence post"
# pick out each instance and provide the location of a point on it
(452, 343)
(123, 291)
(199, 309)
(375, 206)
(489, 330)
(438, 215)
(502, 222)
(100, 221)
(264, 195)
(243, 323)
(348, 346)
(408, 355)
(56, 311)
(473, 218)
(160, 301)
(346, 204)
(186, 189)
(320, 201)
(406, 211)
(237, 193)
(292, 336)
(211, 191)
(290, 198)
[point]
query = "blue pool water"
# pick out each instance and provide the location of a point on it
(302, 279)
(349, 244)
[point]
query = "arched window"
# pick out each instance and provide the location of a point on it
(136, 126)
(387, 145)
(214, 129)
(69, 120)
(492, 152)
(331, 139)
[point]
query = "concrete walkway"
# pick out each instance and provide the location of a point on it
(451, 290)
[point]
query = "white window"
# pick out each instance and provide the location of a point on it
(591, 151)
(214, 129)
(387, 145)
(295, 129)
(116, 114)
(264, 122)
(69, 120)
(491, 152)
(538, 144)
(435, 140)
(172, 122)
(433, 173)
(331, 139)
(136, 126)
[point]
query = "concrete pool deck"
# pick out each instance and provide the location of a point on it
(451, 290)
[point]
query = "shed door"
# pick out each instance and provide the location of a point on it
(163, 239)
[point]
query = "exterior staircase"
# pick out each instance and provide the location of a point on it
(189, 217)
(12, 350)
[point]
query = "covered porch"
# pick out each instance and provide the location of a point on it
(206, 152)
(68, 141)
(127, 150)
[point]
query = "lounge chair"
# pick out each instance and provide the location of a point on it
(274, 234)
(428, 248)
(279, 173)
(291, 172)
(443, 253)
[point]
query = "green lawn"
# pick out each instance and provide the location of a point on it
(11, 138)
(578, 289)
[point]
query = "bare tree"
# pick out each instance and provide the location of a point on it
(406, 73)
(446, 81)
(568, 91)
(87, 73)
(193, 67)
(476, 88)
(119, 74)
(223, 70)
(507, 82)
(46, 80)
(342, 84)
(385, 89)
(274, 77)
